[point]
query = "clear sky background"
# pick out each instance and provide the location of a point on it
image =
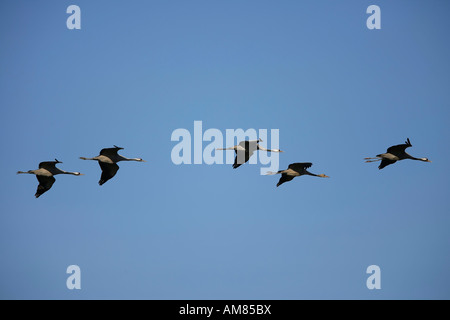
(138, 70)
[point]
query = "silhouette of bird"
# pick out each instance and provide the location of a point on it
(245, 149)
(394, 154)
(107, 160)
(45, 175)
(295, 170)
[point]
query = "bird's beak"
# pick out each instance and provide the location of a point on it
(428, 160)
(280, 150)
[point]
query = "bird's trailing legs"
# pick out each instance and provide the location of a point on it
(269, 173)
(230, 148)
(30, 172)
(373, 159)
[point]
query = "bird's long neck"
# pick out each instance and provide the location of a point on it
(72, 173)
(55, 171)
(66, 172)
(414, 158)
(316, 175)
(122, 158)
(268, 150)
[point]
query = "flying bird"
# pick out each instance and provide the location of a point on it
(107, 160)
(45, 175)
(245, 149)
(394, 154)
(295, 170)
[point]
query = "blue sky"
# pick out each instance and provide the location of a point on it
(137, 71)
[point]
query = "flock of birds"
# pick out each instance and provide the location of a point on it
(245, 149)
(109, 158)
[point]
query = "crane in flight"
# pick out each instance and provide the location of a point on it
(394, 154)
(295, 170)
(107, 160)
(245, 149)
(45, 175)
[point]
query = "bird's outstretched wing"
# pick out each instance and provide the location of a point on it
(400, 148)
(241, 157)
(247, 144)
(109, 170)
(48, 165)
(300, 166)
(110, 152)
(385, 162)
(45, 183)
(284, 178)
(244, 144)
